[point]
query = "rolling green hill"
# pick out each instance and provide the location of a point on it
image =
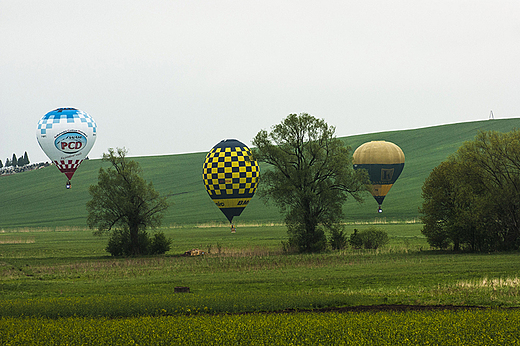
(39, 198)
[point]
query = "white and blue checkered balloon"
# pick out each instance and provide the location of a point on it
(66, 135)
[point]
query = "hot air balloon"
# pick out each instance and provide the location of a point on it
(384, 162)
(230, 175)
(66, 135)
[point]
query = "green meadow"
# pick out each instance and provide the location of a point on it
(39, 198)
(59, 286)
(67, 273)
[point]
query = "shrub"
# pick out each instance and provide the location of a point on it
(306, 240)
(355, 240)
(120, 243)
(160, 244)
(370, 238)
(338, 239)
(374, 238)
(289, 247)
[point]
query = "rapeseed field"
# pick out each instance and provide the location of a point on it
(448, 327)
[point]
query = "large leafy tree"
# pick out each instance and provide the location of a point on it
(309, 179)
(125, 205)
(454, 208)
(472, 200)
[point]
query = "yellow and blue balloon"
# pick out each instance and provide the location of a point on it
(230, 175)
(384, 162)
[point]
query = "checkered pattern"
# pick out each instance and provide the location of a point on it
(68, 166)
(69, 115)
(230, 172)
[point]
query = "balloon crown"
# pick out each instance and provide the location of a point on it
(65, 109)
(229, 143)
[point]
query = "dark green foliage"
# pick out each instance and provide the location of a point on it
(310, 177)
(120, 243)
(159, 244)
(26, 159)
(450, 207)
(125, 204)
(370, 238)
(472, 200)
(338, 239)
(16, 162)
(373, 238)
(355, 240)
(306, 240)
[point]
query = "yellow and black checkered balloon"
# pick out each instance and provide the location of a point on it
(230, 175)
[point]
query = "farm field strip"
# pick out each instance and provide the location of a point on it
(463, 327)
(67, 273)
(60, 287)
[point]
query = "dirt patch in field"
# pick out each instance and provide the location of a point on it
(390, 307)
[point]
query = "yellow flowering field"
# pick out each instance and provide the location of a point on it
(440, 327)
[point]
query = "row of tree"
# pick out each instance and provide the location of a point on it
(310, 179)
(472, 200)
(16, 162)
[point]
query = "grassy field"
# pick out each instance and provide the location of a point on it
(59, 286)
(246, 271)
(39, 198)
(56, 284)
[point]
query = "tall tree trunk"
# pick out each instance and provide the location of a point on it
(134, 239)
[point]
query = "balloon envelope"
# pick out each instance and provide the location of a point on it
(384, 162)
(66, 135)
(230, 175)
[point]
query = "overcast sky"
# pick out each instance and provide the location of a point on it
(164, 77)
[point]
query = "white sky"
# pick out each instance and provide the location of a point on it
(165, 76)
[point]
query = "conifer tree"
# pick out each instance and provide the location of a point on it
(25, 159)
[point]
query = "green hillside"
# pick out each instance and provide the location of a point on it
(39, 198)
(424, 149)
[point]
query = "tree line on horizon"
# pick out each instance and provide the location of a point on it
(16, 162)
